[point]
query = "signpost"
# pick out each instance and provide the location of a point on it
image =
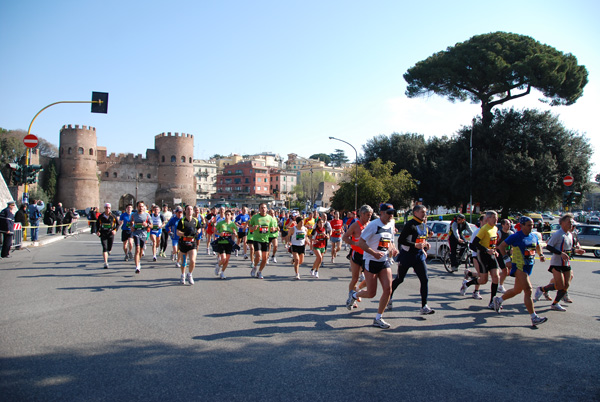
(30, 141)
(568, 181)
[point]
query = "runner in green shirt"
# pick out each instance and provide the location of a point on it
(261, 225)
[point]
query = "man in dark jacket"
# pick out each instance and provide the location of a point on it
(7, 225)
(60, 216)
(21, 217)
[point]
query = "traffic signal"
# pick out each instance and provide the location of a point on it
(31, 172)
(571, 198)
(100, 102)
(15, 173)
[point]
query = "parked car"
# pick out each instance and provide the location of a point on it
(589, 235)
(439, 243)
(593, 220)
(547, 217)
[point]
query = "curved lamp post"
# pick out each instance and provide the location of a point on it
(356, 175)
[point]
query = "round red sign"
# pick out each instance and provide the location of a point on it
(568, 180)
(30, 141)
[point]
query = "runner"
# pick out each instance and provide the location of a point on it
(309, 223)
(157, 223)
(504, 232)
(261, 225)
(107, 227)
(171, 229)
(351, 237)
(226, 231)
(337, 231)
(524, 246)
(377, 241)
(413, 247)
(187, 230)
(166, 215)
(485, 242)
(140, 221)
(210, 227)
(562, 247)
(319, 244)
(297, 238)
(241, 222)
(126, 236)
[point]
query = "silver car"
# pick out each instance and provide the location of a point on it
(589, 236)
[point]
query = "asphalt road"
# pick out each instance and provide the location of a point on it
(73, 331)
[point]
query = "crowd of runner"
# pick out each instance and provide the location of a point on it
(498, 251)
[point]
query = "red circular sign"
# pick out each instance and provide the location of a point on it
(30, 141)
(568, 180)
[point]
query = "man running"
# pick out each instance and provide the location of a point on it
(337, 231)
(140, 221)
(413, 247)
(126, 235)
(226, 231)
(106, 227)
(524, 247)
(187, 229)
(241, 222)
(261, 225)
(377, 242)
(351, 237)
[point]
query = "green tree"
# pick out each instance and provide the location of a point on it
(520, 160)
(494, 68)
(322, 157)
(338, 158)
(376, 184)
(50, 181)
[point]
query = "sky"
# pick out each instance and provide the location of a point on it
(264, 76)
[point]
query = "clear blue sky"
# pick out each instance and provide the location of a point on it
(254, 76)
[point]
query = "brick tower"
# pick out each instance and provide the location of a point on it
(78, 177)
(175, 168)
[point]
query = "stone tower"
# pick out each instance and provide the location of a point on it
(78, 177)
(175, 168)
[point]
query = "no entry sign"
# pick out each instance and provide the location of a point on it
(568, 180)
(30, 141)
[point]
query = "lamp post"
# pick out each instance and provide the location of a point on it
(356, 175)
(471, 172)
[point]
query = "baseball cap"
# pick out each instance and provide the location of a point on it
(11, 202)
(524, 220)
(388, 208)
(178, 209)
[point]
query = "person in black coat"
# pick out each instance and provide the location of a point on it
(50, 217)
(7, 227)
(22, 218)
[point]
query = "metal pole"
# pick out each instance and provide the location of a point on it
(356, 175)
(471, 172)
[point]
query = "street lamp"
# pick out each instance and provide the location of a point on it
(356, 176)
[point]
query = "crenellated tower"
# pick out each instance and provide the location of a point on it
(78, 174)
(175, 168)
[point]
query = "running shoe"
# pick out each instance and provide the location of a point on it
(497, 304)
(317, 274)
(467, 274)
(426, 310)
(190, 278)
(355, 305)
(380, 323)
(297, 276)
(268, 261)
(501, 289)
(463, 287)
(178, 265)
(390, 306)
(217, 269)
(538, 320)
(137, 270)
(477, 295)
(259, 275)
(207, 252)
(491, 306)
(130, 255)
(538, 293)
(547, 296)
(361, 277)
(567, 299)
(245, 256)
(182, 279)
(332, 260)
(312, 272)
(126, 257)
(253, 271)
(236, 253)
(557, 307)
(222, 276)
(105, 266)
(274, 260)
(154, 258)
(351, 300)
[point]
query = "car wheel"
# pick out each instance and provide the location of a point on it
(597, 252)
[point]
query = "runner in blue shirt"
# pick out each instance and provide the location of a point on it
(524, 247)
(126, 237)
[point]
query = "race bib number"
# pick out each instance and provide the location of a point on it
(299, 235)
(529, 252)
(106, 226)
(493, 241)
(384, 244)
(263, 229)
(421, 239)
(138, 226)
(155, 227)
